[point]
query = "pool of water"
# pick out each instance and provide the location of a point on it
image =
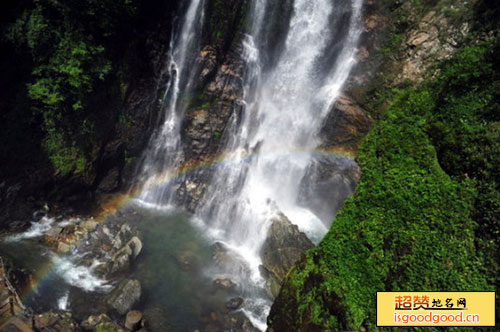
(171, 269)
(176, 269)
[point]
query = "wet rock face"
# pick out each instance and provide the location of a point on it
(329, 180)
(345, 126)
(228, 260)
(125, 296)
(218, 102)
(221, 90)
(282, 248)
(234, 303)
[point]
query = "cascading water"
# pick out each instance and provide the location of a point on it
(164, 151)
(295, 69)
(286, 105)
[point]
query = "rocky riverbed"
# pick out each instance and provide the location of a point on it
(136, 269)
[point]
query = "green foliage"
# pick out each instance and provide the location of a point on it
(217, 135)
(425, 213)
(64, 157)
(71, 67)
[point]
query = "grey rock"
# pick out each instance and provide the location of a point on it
(125, 296)
(124, 257)
(283, 246)
(123, 236)
(224, 282)
(234, 303)
(92, 321)
(228, 260)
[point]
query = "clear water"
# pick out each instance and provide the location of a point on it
(169, 285)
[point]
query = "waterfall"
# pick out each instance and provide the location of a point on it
(295, 69)
(164, 152)
(288, 94)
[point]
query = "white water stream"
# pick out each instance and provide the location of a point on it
(164, 152)
(286, 106)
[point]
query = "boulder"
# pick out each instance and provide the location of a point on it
(89, 225)
(345, 126)
(123, 258)
(228, 260)
(224, 282)
(283, 246)
(133, 320)
(234, 303)
(125, 296)
(93, 321)
(122, 237)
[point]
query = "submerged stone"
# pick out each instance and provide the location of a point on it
(224, 282)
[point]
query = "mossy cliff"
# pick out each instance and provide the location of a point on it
(425, 214)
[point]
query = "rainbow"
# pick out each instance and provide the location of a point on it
(109, 204)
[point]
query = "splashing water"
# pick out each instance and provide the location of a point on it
(63, 303)
(288, 94)
(164, 151)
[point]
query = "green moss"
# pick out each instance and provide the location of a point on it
(107, 327)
